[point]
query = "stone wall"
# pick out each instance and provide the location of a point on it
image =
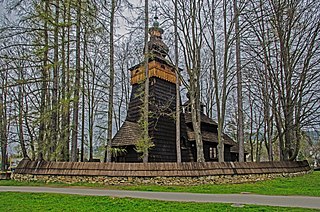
(168, 181)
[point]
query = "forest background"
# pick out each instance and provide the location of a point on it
(65, 84)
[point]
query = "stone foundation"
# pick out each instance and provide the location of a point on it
(168, 181)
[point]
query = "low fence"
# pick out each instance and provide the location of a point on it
(156, 173)
(158, 169)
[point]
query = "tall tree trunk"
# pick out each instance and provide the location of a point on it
(110, 105)
(68, 89)
(64, 138)
(44, 87)
(3, 125)
(196, 122)
(75, 119)
(216, 94)
(83, 95)
(220, 90)
(55, 105)
(196, 42)
(223, 99)
(146, 83)
(266, 82)
(91, 116)
(176, 54)
(240, 133)
(251, 126)
(20, 116)
(32, 140)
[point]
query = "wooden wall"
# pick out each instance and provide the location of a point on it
(190, 169)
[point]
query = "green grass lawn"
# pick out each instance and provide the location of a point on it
(308, 185)
(11, 201)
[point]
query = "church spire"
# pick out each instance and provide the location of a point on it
(155, 22)
(155, 45)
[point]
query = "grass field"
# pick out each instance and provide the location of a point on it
(60, 202)
(308, 185)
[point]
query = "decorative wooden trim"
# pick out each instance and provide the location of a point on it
(156, 69)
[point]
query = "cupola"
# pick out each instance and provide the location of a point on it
(156, 46)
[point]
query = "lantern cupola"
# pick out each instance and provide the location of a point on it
(156, 46)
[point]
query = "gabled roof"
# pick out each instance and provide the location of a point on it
(234, 149)
(128, 134)
(210, 137)
(204, 119)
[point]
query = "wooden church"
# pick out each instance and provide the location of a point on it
(162, 98)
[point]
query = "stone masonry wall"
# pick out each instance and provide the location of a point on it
(168, 181)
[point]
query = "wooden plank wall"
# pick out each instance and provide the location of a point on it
(190, 169)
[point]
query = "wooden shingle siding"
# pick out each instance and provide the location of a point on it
(162, 95)
(190, 169)
(134, 110)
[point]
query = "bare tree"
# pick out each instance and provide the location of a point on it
(3, 120)
(287, 35)
(191, 40)
(145, 111)
(55, 106)
(65, 83)
(44, 89)
(176, 56)
(219, 41)
(21, 113)
(240, 133)
(75, 120)
(111, 75)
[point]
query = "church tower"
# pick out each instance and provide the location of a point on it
(162, 98)
(162, 127)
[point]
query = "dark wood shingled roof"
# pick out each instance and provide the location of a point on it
(210, 137)
(204, 119)
(128, 134)
(235, 148)
(158, 59)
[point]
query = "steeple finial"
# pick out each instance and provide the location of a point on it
(155, 22)
(155, 44)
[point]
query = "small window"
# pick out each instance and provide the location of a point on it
(137, 71)
(213, 153)
(163, 67)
